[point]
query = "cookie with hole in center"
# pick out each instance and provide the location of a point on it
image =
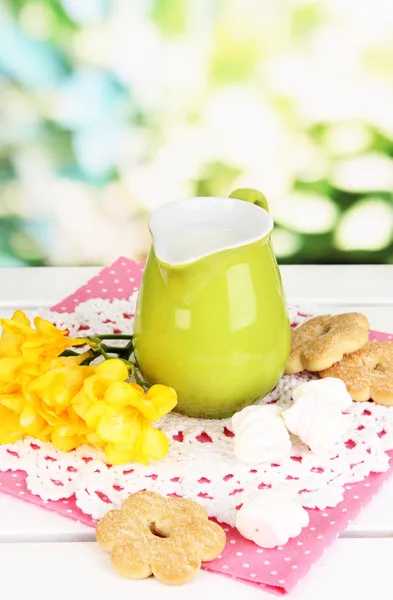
(322, 341)
(154, 535)
(367, 373)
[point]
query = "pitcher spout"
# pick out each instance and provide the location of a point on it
(188, 230)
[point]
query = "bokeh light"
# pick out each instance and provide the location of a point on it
(112, 108)
(367, 225)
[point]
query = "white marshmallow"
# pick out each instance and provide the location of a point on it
(332, 389)
(271, 519)
(318, 423)
(260, 434)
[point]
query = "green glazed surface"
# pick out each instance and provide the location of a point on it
(215, 329)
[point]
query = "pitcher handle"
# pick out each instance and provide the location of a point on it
(250, 195)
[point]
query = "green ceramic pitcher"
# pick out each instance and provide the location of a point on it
(211, 318)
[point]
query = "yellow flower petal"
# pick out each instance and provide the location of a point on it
(50, 416)
(58, 387)
(15, 402)
(20, 317)
(112, 370)
(81, 404)
(162, 398)
(121, 393)
(68, 437)
(94, 414)
(52, 333)
(47, 328)
(44, 436)
(9, 388)
(154, 444)
(52, 389)
(137, 387)
(66, 444)
(95, 440)
(9, 344)
(118, 454)
(153, 405)
(73, 361)
(77, 342)
(72, 417)
(120, 427)
(9, 368)
(94, 388)
(150, 444)
(31, 422)
(10, 429)
(17, 326)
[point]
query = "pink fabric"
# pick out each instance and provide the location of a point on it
(119, 280)
(277, 570)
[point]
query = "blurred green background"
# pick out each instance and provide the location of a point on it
(111, 108)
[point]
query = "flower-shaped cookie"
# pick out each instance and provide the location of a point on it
(367, 373)
(166, 537)
(322, 341)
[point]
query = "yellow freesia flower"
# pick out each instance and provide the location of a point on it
(92, 396)
(55, 398)
(70, 361)
(39, 345)
(26, 355)
(32, 423)
(10, 340)
(118, 414)
(10, 368)
(112, 370)
(153, 405)
(70, 436)
(10, 429)
(27, 352)
(15, 402)
(131, 437)
(56, 388)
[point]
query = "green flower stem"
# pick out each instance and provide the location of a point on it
(89, 355)
(112, 349)
(90, 359)
(112, 336)
(95, 339)
(100, 348)
(124, 351)
(130, 346)
(134, 373)
(140, 381)
(103, 352)
(130, 365)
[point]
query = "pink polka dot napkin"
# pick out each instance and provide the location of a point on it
(277, 570)
(118, 281)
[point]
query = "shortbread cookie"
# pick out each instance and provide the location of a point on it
(367, 373)
(165, 537)
(322, 341)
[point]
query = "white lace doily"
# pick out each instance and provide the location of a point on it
(200, 464)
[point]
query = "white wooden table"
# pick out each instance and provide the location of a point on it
(44, 556)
